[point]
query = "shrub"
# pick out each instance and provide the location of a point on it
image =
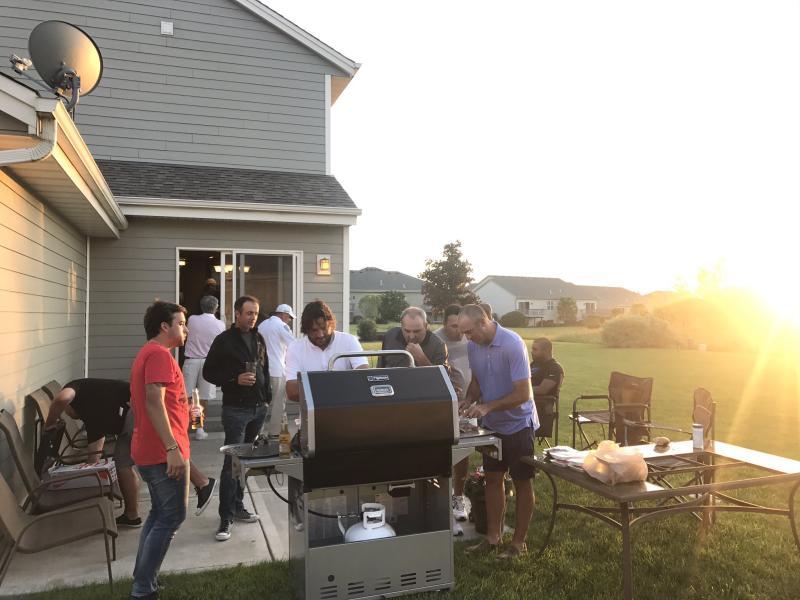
(593, 321)
(514, 319)
(357, 319)
(367, 331)
(638, 332)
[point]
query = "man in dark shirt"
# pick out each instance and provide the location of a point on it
(237, 361)
(104, 407)
(413, 335)
(547, 374)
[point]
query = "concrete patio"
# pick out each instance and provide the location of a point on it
(193, 549)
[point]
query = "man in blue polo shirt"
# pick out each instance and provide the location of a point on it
(501, 374)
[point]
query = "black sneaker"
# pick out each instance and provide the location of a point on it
(204, 495)
(245, 516)
(125, 521)
(224, 531)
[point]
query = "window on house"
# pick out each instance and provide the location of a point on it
(523, 307)
(551, 305)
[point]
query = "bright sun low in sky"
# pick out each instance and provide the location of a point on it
(627, 143)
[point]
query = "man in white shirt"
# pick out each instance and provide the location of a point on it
(321, 342)
(278, 335)
(202, 331)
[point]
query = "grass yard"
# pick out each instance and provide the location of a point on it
(743, 556)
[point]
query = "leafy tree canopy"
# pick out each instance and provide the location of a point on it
(447, 280)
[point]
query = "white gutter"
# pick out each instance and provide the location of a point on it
(48, 139)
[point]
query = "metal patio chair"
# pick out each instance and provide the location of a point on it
(73, 449)
(547, 409)
(625, 413)
(41, 496)
(34, 533)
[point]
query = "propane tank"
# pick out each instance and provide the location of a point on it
(373, 524)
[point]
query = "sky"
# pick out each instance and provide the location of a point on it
(628, 143)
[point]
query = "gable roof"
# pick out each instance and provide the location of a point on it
(336, 58)
(136, 179)
(372, 279)
(545, 288)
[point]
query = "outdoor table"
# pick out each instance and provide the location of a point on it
(702, 494)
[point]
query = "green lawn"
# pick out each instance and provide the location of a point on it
(743, 556)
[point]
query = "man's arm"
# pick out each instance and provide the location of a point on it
(157, 413)
(214, 367)
(60, 402)
(520, 394)
(473, 393)
(544, 388)
(293, 390)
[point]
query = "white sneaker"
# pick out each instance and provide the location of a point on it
(459, 508)
(458, 531)
(200, 434)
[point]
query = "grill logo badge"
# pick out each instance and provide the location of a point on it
(381, 390)
(374, 378)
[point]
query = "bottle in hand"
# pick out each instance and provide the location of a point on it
(196, 411)
(284, 438)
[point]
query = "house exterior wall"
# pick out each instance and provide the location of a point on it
(129, 273)
(43, 298)
(227, 89)
(502, 301)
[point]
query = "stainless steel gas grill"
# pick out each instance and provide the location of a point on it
(369, 492)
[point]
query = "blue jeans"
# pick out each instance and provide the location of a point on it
(168, 499)
(241, 424)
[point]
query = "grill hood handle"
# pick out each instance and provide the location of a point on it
(336, 357)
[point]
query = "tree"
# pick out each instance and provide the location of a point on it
(567, 310)
(447, 280)
(392, 304)
(368, 305)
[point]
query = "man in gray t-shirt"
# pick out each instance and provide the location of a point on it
(461, 375)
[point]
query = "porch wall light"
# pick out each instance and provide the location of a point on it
(323, 264)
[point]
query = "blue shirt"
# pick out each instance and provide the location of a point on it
(497, 366)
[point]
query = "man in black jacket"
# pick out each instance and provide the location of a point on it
(237, 361)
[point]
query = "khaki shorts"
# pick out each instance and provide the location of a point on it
(193, 377)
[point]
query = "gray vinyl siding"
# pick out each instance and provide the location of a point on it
(127, 274)
(42, 298)
(227, 89)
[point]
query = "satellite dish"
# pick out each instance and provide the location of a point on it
(66, 58)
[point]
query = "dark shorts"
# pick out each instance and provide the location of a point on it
(515, 446)
(122, 447)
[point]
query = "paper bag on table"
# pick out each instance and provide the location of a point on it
(612, 464)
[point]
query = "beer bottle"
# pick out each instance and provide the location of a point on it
(284, 438)
(196, 411)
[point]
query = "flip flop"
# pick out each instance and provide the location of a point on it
(513, 552)
(482, 547)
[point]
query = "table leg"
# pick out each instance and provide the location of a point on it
(627, 566)
(793, 514)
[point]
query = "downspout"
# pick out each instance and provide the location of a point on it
(35, 153)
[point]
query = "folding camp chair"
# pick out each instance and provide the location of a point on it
(547, 409)
(625, 414)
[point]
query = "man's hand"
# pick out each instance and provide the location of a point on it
(416, 351)
(246, 379)
(477, 411)
(176, 466)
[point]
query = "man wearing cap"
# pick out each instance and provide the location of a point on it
(278, 334)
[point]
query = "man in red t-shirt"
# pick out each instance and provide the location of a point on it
(160, 444)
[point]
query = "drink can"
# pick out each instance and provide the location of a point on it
(697, 436)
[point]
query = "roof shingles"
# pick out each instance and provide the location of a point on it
(186, 182)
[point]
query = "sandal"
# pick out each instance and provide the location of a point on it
(513, 552)
(482, 547)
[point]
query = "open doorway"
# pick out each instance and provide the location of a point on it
(199, 276)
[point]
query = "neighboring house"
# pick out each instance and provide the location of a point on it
(537, 297)
(372, 280)
(203, 153)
